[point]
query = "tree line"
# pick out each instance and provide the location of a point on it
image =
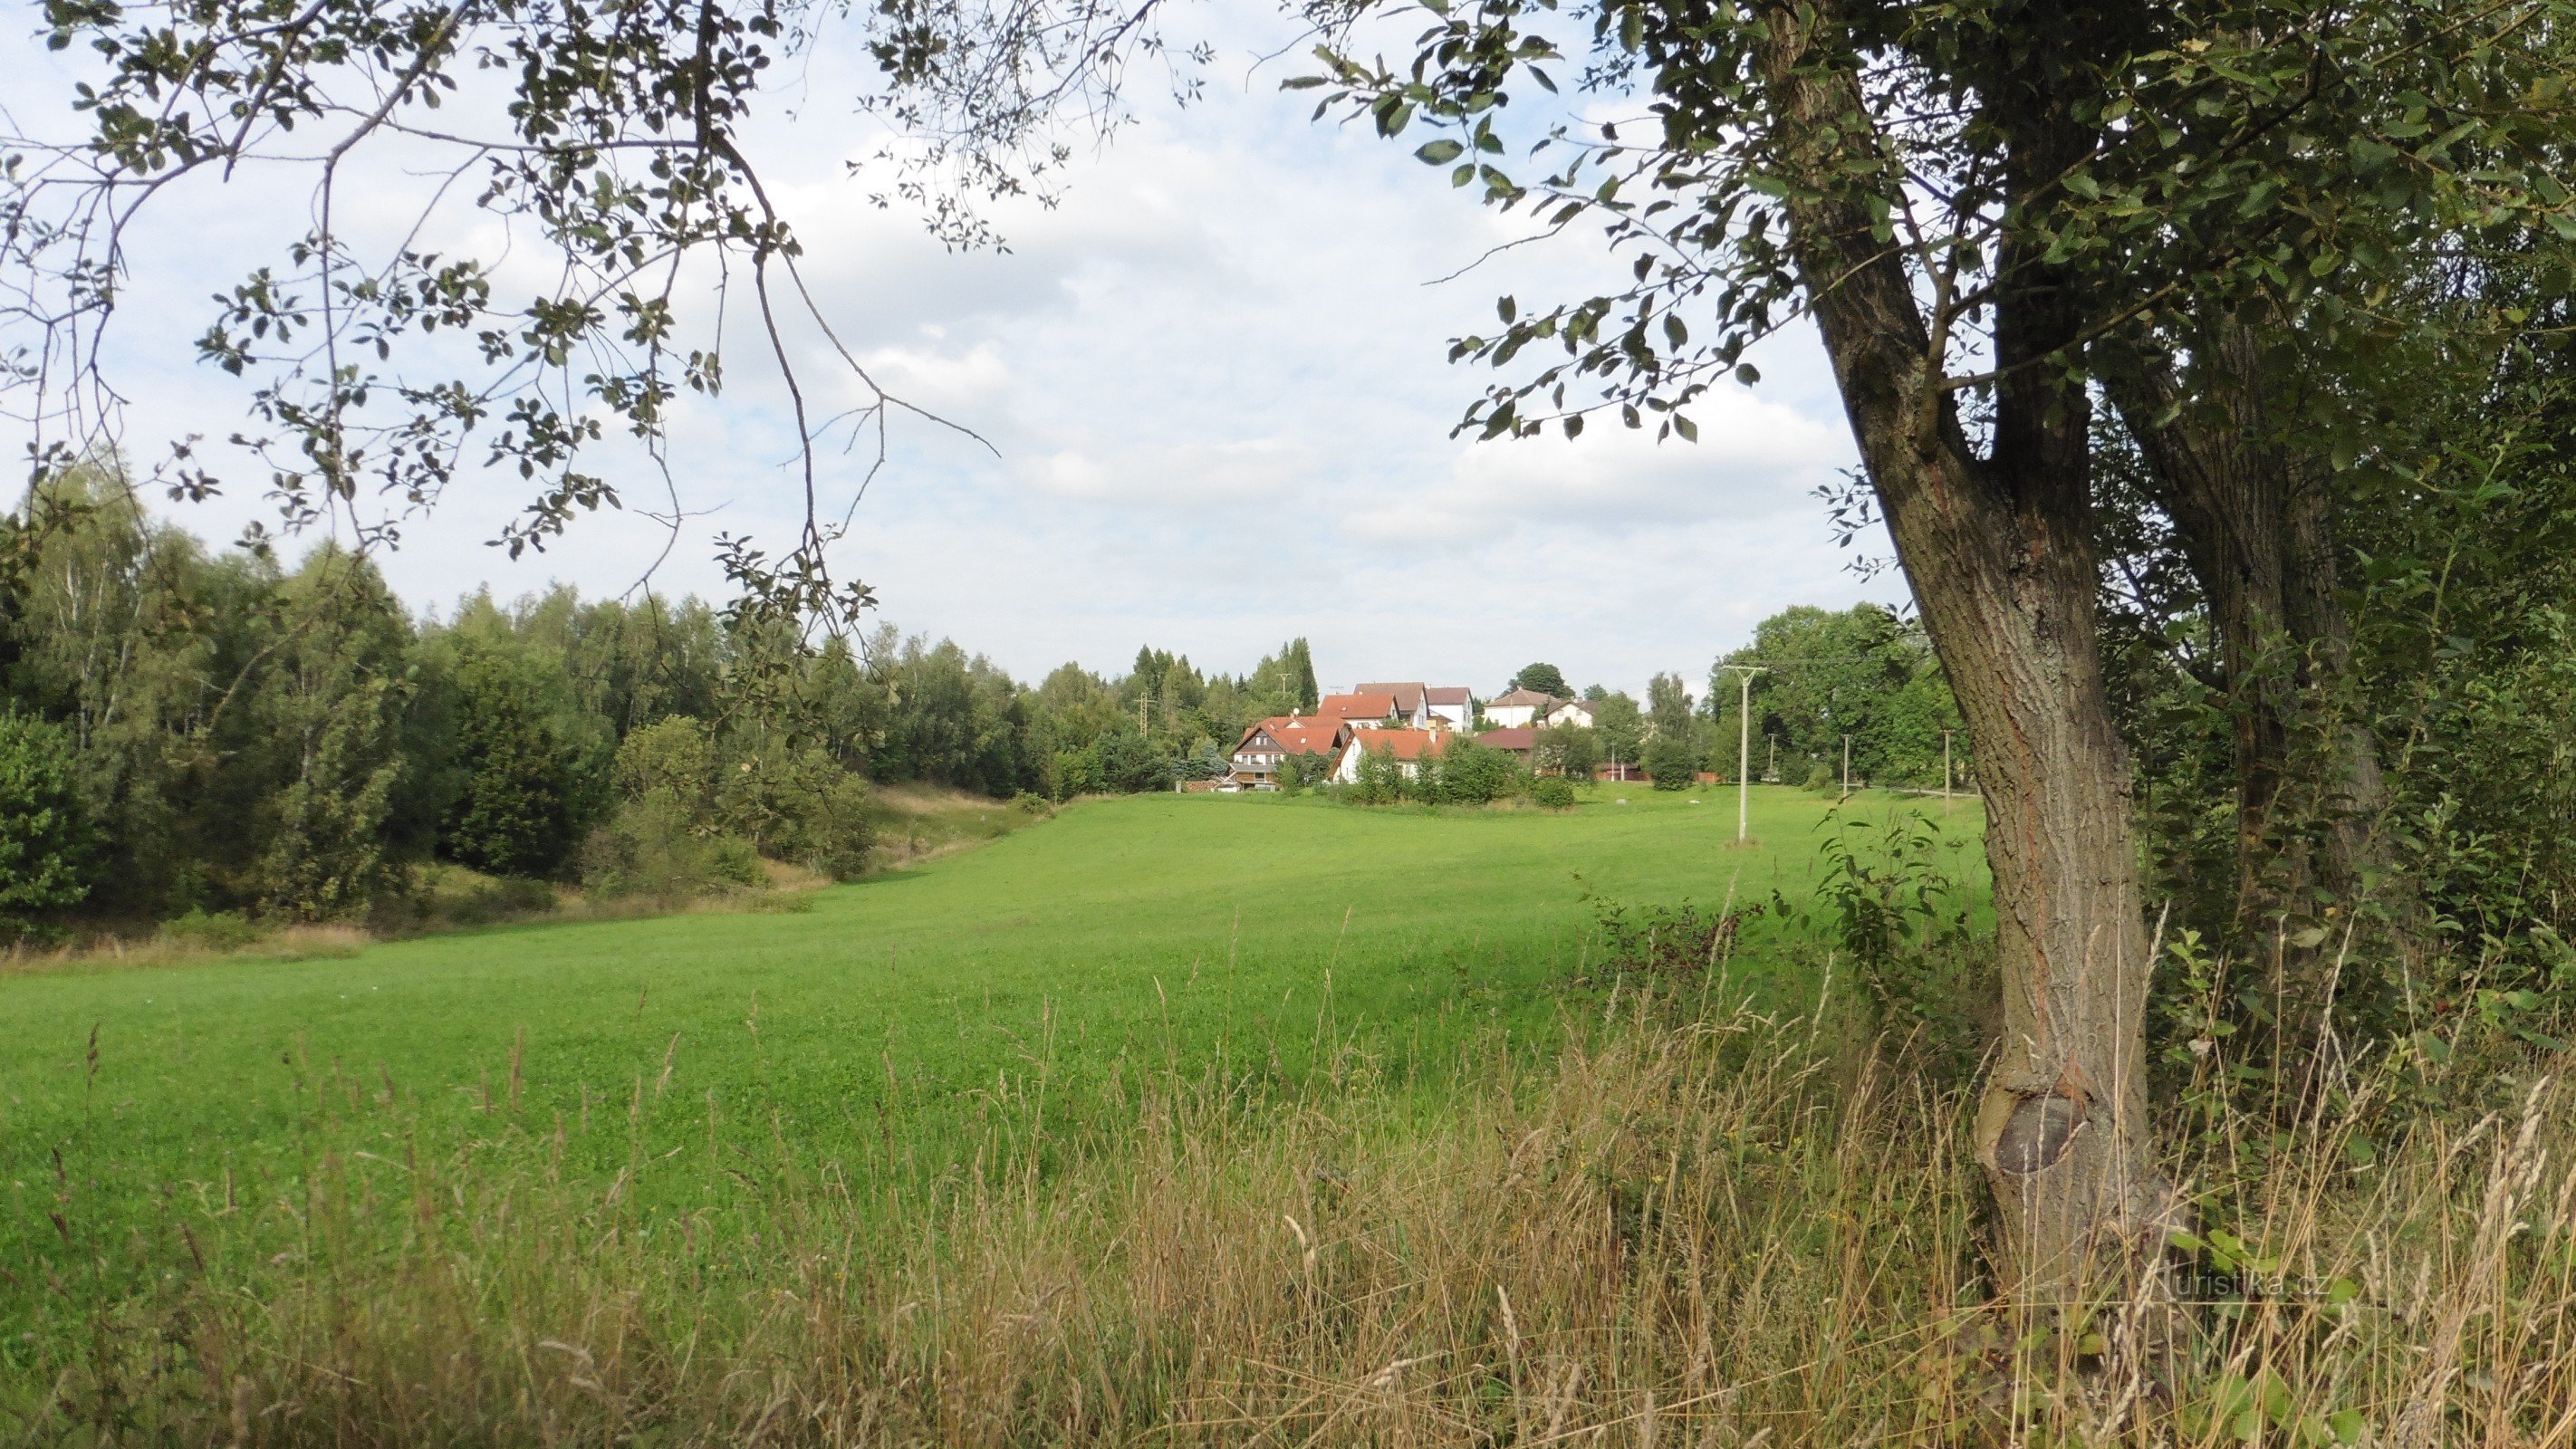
(184, 729)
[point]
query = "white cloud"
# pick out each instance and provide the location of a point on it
(1214, 388)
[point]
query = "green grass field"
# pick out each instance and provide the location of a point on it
(877, 1034)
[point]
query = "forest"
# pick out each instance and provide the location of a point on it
(191, 730)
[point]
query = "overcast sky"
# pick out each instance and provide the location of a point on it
(1215, 385)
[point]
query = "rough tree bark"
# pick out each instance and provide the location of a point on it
(2253, 512)
(1998, 549)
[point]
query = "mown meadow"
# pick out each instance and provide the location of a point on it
(1000, 1004)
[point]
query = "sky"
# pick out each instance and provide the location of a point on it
(1213, 398)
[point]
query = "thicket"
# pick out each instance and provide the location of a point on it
(195, 733)
(1463, 773)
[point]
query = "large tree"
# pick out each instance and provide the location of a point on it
(1987, 212)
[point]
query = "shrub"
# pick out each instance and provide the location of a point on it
(1381, 780)
(827, 827)
(210, 931)
(654, 847)
(1471, 774)
(1671, 763)
(1553, 792)
(796, 805)
(453, 895)
(45, 835)
(1822, 779)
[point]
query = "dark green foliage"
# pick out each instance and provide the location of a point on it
(664, 840)
(1663, 943)
(1381, 780)
(333, 707)
(1467, 773)
(45, 836)
(1896, 897)
(1544, 678)
(1620, 727)
(515, 814)
(1552, 792)
(1128, 762)
(1861, 672)
(1569, 750)
(1671, 762)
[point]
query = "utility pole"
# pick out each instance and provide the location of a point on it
(1945, 772)
(1846, 764)
(1771, 767)
(1744, 749)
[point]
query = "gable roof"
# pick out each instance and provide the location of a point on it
(1297, 734)
(1519, 741)
(1407, 697)
(1529, 697)
(1403, 744)
(1356, 706)
(1439, 694)
(1309, 735)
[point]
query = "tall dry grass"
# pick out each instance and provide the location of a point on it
(1723, 1231)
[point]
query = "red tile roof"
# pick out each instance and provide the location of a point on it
(1296, 734)
(1355, 707)
(1407, 697)
(1441, 695)
(1518, 741)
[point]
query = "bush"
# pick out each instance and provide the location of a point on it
(210, 931)
(1381, 780)
(655, 847)
(827, 827)
(1822, 779)
(1471, 774)
(45, 836)
(453, 895)
(1553, 792)
(1671, 763)
(796, 805)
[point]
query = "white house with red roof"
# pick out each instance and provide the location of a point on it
(1427, 706)
(1257, 756)
(1520, 709)
(1409, 747)
(1360, 709)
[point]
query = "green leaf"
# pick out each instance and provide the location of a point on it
(1440, 153)
(1688, 429)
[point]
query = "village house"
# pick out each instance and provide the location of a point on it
(1409, 747)
(1569, 713)
(1412, 705)
(1425, 707)
(1518, 743)
(1360, 709)
(1520, 709)
(1258, 755)
(1454, 707)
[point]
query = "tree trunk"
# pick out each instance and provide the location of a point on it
(1999, 552)
(2257, 529)
(2253, 513)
